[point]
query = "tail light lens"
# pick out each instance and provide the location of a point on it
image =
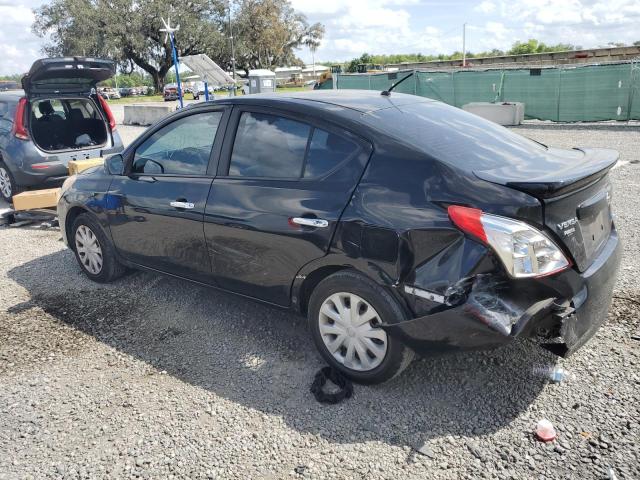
(19, 129)
(107, 110)
(524, 250)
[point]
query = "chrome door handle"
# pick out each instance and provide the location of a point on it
(310, 222)
(185, 205)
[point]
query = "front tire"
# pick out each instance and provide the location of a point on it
(94, 251)
(344, 312)
(8, 186)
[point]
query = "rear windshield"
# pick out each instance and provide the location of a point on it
(455, 136)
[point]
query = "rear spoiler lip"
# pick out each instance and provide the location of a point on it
(544, 189)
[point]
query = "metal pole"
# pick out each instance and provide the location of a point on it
(177, 66)
(464, 45)
(206, 91)
(233, 53)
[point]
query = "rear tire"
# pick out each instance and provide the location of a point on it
(351, 342)
(8, 185)
(94, 251)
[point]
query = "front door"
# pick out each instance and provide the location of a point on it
(157, 209)
(281, 188)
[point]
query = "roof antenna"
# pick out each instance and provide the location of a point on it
(387, 93)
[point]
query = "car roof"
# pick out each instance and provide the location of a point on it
(362, 101)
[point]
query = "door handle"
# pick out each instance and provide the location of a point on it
(310, 222)
(185, 205)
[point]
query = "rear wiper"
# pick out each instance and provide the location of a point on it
(386, 93)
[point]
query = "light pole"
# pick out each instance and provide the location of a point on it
(464, 45)
(174, 51)
(233, 52)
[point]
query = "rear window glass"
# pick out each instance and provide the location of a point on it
(456, 137)
(269, 146)
(326, 150)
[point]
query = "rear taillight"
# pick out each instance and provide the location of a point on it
(110, 118)
(523, 250)
(19, 129)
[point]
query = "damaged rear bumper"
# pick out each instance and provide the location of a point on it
(563, 311)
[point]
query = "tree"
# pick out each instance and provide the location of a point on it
(128, 32)
(267, 32)
(535, 46)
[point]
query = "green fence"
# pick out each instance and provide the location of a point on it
(564, 94)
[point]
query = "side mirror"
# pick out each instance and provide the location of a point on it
(115, 164)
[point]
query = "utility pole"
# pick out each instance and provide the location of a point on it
(464, 45)
(233, 51)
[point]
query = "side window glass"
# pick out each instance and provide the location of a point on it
(326, 151)
(4, 108)
(269, 146)
(181, 148)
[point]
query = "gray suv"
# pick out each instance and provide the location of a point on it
(55, 118)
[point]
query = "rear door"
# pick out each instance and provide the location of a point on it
(158, 207)
(281, 188)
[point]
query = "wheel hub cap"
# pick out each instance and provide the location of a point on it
(350, 332)
(5, 183)
(88, 249)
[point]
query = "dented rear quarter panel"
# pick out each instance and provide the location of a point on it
(396, 228)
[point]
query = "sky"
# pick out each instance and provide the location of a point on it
(403, 26)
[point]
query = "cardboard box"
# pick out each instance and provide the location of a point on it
(36, 199)
(77, 166)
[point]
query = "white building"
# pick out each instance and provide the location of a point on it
(313, 72)
(288, 74)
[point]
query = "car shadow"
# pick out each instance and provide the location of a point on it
(264, 359)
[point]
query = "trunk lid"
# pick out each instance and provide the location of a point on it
(575, 190)
(66, 75)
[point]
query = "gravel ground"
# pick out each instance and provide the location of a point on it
(151, 377)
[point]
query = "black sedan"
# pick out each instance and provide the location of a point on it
(396, 224)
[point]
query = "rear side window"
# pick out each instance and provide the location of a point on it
(277, 147)
(181, 148)
(269, 146)
(326, 150)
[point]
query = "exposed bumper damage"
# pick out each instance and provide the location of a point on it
(487, 310)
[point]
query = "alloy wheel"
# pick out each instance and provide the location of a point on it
(5, 183)
(350, 332)
(88, 249)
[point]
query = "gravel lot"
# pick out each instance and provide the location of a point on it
(152, 377)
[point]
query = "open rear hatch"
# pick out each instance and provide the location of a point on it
(66, 75)
(575, 191)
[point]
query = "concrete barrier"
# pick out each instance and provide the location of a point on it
(141, 114)
(505, 113)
